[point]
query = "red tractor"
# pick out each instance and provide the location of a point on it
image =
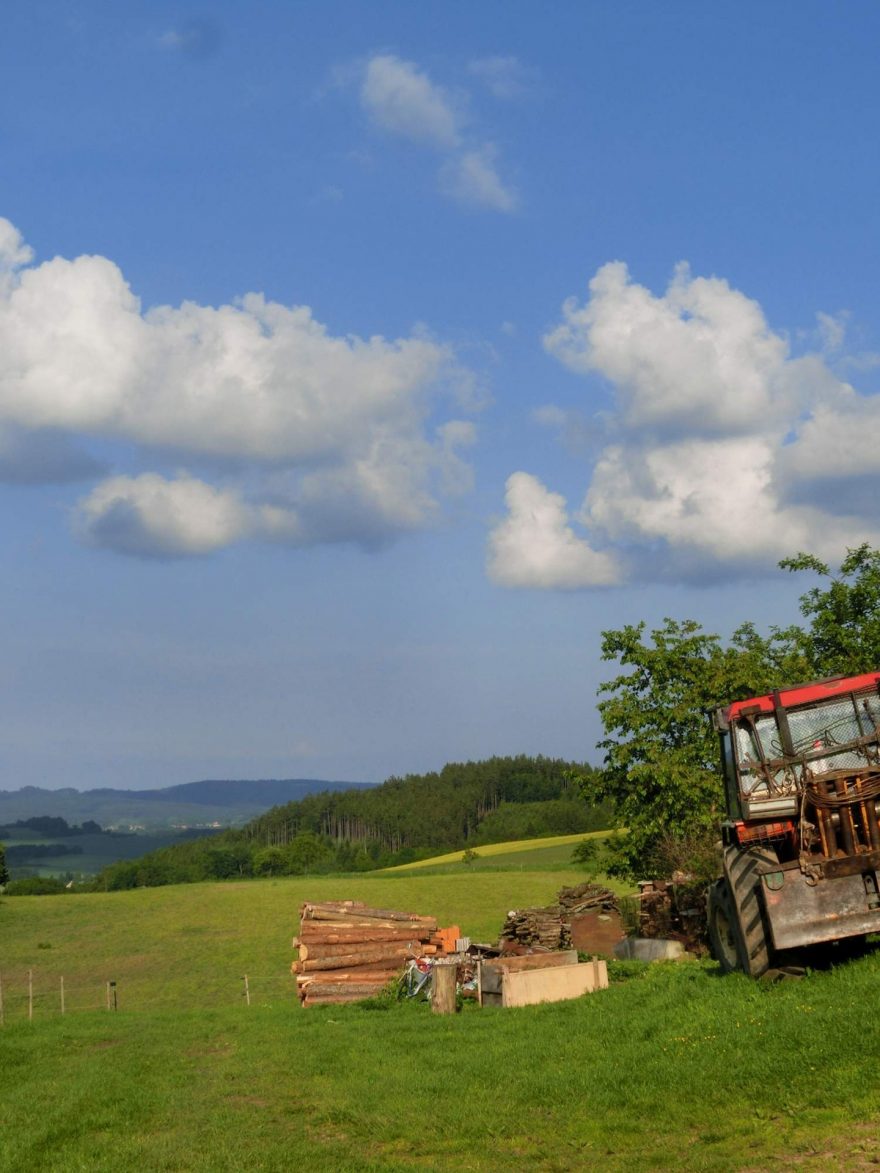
(802, 840)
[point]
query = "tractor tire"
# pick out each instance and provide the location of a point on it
(723, 936)
(748, 925)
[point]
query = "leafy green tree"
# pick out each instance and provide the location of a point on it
(586, 855)
(4, 871)
(305, 854)
(224, 860)
(843, 636)
(660, 754)
(269, 861)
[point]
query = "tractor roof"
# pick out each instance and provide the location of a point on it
(803, 694)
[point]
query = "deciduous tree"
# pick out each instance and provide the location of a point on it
(843, 636)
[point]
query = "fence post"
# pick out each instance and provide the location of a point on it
(30, 995)
(247, 990)
(111, 996)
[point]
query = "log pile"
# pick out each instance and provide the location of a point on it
(550, 928)
(585, 898)
(594, 916)
(535, 928)
(674, 910)
(348, 951)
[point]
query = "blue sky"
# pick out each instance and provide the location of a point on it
(360, 364)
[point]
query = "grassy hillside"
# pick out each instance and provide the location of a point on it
(675, 1068)
(189, 945)
(547, 854)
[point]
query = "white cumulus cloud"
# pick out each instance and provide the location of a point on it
(263, 386)
(723, 452)
(471, 177)
(401, 99)
(535, 546)
(701, 355)
(154, 517)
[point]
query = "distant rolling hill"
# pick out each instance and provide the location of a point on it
(228, 802)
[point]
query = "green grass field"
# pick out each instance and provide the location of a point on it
(524, 854)
(674, 1068)
(189, 945)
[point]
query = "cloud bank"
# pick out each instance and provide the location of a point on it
(722, 451)
(399, 98)
(308, 437)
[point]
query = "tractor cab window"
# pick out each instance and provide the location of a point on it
(756, 744)
(826, 733)
(842, 733)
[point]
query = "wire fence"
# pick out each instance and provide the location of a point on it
(31, 996)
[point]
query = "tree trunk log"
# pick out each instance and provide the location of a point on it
(394, 957)
(443, 979)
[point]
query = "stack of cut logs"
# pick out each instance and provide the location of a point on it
(585, 897)
(541, 928)
(348, 951)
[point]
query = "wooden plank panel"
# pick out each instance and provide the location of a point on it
(527, 987)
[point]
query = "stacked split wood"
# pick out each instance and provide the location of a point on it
(348, 951)
(536, 928)
(586, 897)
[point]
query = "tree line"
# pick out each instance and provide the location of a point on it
(405, 819)
(52, 826)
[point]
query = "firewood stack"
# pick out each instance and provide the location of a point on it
(348, 951)
(536, 928)
(675, 910)
(586, 897)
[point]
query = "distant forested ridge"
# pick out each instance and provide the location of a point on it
(464, 805)
(226, 802)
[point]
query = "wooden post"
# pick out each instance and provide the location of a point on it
(30, 995)
(443, 977)
(62, 995)
(247, 990)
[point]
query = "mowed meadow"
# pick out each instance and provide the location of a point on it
(673, 1067)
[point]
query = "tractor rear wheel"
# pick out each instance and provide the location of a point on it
(747, 927)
